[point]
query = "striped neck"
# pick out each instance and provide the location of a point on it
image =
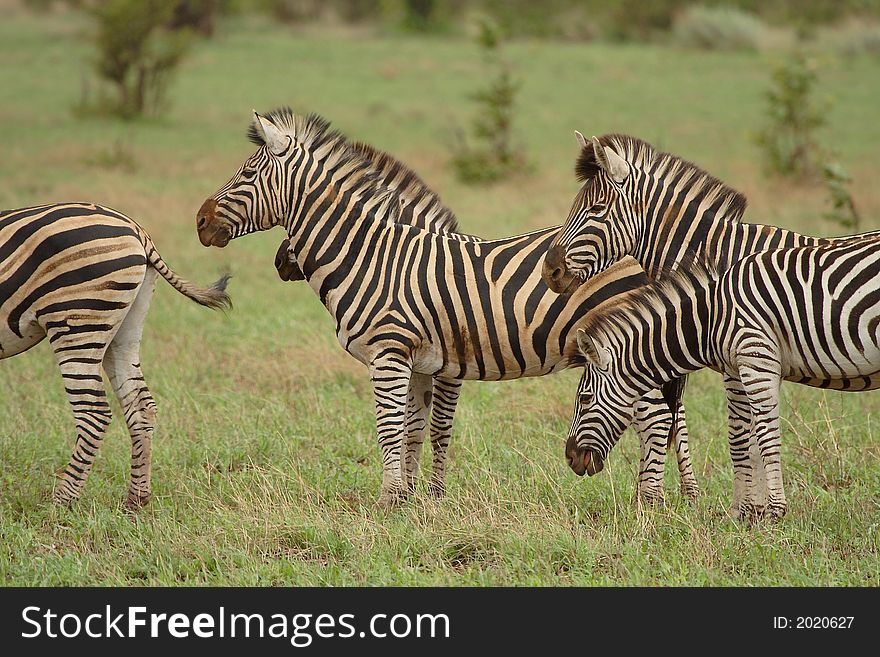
(661, 331)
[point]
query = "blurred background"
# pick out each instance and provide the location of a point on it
(266, 446)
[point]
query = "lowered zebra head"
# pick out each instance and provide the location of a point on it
(597, 232)
(602, 408)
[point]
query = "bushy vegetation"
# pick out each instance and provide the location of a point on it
(137, 52)
(718, 28)
(793, 116)
(491, 154)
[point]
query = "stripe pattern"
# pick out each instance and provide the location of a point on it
(83, 276)
(810, 315)
(409, 302)
(659, 209)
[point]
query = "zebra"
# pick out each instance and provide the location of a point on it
(419, 206)
(659, 209)
(409, 303)
(83, 275)
(810, 315)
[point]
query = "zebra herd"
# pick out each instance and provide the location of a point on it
(653, 276)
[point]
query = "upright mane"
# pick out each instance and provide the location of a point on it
(395, 175)
(645, 159)
(372, 171)
(671, 289)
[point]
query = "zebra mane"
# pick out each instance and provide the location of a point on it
(373, 172)
(644, 158)
(671, 289)
(395, 175)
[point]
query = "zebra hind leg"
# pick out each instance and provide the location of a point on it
(739, 429)
(446, 393)
(122, 364)
(417, 414)
(81, 372)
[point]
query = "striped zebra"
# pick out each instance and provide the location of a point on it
(657, 208)
(409, 303)
(83, 275)
(810, 315)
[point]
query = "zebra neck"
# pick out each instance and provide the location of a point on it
(668, 342)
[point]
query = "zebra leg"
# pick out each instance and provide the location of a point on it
(418, 408)
(390, 374)
(122, 364)
(687, 481)
(739, 425)
(651, 422)
(446, 393)
(81, 371)
(762, 388)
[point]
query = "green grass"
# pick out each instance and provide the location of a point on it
(266, 466)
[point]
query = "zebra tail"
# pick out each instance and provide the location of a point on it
(672, 393)
(213, 297)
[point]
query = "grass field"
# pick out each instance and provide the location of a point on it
(265, 461)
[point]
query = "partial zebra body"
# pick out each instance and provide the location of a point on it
(83, 276)
(409, 303)
(810, 315)
(660, 210)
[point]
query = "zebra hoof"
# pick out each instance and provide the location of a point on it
(652, 496)
(775, 512)
(391, 499)
(63, 499)
(134, 502)
(690, 492)
(437, 490)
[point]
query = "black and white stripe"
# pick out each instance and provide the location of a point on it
(410, 303)
(810, 315)
(83, 275)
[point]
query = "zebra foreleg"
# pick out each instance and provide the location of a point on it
(739, 426)
(390, 374)
(651, 422)
(762, 389)
(417, 413)
(446, 393)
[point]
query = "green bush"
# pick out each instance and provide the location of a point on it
(493, 154)
(843, 208)
(788, 140)
(718, 28)
(137, 54)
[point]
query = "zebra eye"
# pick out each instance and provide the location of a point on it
(249, 173)
(597, 209)
(586, 398)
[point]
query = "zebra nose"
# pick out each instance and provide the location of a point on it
(553, 271)
(205, 214)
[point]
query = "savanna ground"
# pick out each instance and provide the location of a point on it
(266, 467)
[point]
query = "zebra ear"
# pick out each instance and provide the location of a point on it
(617, 166)
(274, 139)
(587, 347)
(614, 165)
(582, 141)
(595, 355)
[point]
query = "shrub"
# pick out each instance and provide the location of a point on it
(718, 28)
(137, 53)
(843, 207)
(788, 139)
(494, 156)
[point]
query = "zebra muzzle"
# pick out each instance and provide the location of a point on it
(583, 460)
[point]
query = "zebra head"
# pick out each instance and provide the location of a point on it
(602, 409)
(597, 232)
(255, 198)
